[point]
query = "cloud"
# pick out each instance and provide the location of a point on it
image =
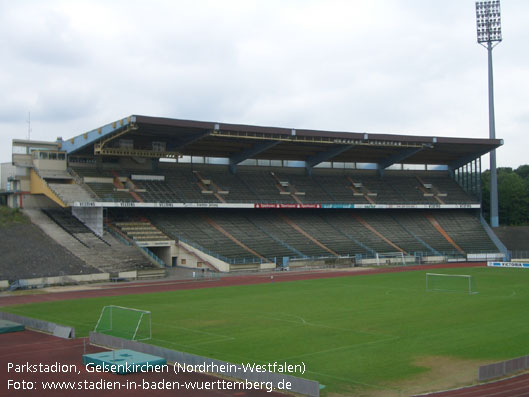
(407, 66)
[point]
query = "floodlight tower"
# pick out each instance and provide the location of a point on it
(488, 22)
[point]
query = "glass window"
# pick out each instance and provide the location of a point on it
(366, 166)
(20, 150)
(43, 155)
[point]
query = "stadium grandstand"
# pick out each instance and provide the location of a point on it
(148, 192)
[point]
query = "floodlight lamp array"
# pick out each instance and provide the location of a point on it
(488, 21)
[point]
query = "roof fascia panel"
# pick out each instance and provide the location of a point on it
(79, 142)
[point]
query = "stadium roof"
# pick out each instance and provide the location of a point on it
(239, 142)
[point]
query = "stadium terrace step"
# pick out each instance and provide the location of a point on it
(70, 193)
(200, 183)
(368, 226)
(142, 232)
(440, 229)
(107, 255)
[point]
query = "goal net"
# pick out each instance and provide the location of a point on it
(124, 322)
(391, 258)
(450, 283)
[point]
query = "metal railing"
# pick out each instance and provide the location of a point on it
(152, 255)
(517, 254)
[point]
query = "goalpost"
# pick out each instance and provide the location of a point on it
(389, 258)
(450, 282)
(124, 322)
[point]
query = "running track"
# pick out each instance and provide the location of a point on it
(33, 347)
(172, 285)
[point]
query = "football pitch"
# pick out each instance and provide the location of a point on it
(380, 333)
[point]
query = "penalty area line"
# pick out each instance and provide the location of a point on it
(341, 348)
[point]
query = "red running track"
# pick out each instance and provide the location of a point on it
(34, 348)
(160, 286)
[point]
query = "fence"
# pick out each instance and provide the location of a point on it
(61, 331)
(519, 254)
(504, 368)
(297, 385)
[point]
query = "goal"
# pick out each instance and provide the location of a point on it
(450, 283)
(390, 258)
(125, 322)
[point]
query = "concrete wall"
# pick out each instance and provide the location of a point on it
(50, 165)
(193, 255)
(92, 217)
(434, 259)
(485, 257)
(22, 160)
(235, 371)
(164, 253)
(45, 326)
(6, 170)
(267, 266)
(61, 280)
(323, 262)
(26, 200)
(386, 261)
(129, 275)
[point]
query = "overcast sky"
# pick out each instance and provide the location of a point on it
(389, 66)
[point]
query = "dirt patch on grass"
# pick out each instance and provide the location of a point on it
(442, 373)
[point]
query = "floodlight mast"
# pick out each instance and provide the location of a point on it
(488, 21)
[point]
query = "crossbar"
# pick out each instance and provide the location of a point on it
(448, 275)
(129, 308)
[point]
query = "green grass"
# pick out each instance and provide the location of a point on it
(11, 216)
(350, 332)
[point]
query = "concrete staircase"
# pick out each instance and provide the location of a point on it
(70, 193)
(109, 255)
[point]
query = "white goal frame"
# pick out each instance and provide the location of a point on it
(381, 258)
(143, 313)
(467, 276)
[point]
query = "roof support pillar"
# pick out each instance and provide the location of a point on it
(396, 158)
(249, 153)
(192, 139)
(454, 165)
(324, 156)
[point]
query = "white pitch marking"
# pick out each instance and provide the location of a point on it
(344, 347)
(195, 330)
